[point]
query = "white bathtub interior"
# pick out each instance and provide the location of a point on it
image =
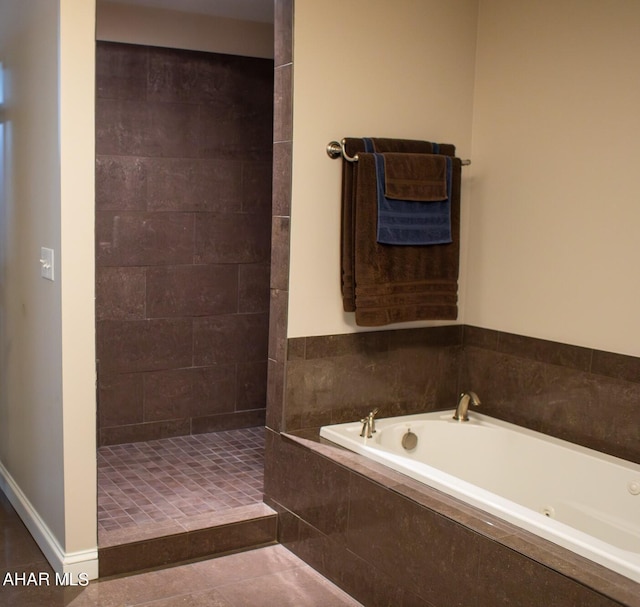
(583, 500)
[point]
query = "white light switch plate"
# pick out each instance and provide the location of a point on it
(46, 263)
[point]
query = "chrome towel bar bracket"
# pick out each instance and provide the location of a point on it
(336, 149)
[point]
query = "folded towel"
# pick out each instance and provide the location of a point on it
(417, 177)
(387, 284)
(413, 199)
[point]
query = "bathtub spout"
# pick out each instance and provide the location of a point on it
(463, 405)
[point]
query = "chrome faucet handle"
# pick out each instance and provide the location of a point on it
(369, 424)
(372, 420)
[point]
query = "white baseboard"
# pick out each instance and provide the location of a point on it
(66, 564)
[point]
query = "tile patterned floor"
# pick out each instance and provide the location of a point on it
(163, 481)
(266, 577)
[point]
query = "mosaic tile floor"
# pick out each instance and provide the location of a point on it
(162, 481)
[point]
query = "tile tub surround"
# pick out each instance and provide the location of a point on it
(585, 396)
(183, 239)
(339, 378)
(356, 522)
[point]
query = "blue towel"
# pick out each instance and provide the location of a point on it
(402, 222)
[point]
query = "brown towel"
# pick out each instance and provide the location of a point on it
(385, 284)
(402, 175)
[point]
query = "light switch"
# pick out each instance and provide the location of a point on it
(46, 263)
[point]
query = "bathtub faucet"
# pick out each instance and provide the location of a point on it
(369, 424)
(463, 405)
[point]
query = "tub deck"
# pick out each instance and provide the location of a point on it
(580, 499)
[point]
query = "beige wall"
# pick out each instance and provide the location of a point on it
(47, 394)
(364, 68)
(77, 168)
(118, 22)
(550, 203)
(555, 203)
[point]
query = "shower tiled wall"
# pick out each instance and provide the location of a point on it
(183, 238)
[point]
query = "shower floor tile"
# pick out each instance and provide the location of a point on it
(163, 484)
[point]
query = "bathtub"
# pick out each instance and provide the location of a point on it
(580, 499)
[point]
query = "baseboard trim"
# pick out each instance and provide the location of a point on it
(68, 565)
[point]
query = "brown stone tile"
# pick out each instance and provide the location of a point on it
(143, 555)
(229, 517)
(560, 401)
(231, 238)
(283, 99)
(283, 24)
(280, 253)
(253, 288)
(361, 344)
(139, 533)
(183, 393)
(174, 75)
(233, 80)
(19, 548)
(228, 421)
(120, 399)
(121, 183)
(141, 432)
(198, 185)
(121, 70)
(277, 346)
(426, 337)
(141, 128)
(394, 382)
(208, 598)
(139, 589)
(506, 577)
(256, 187)
(7, 513)
(187, 291)
(481, 338)
(346, 569)
(275, 394)
(44, 595)
(612, 418)
(305, 588)
(548, 352)
(235, 536)
(252, 386)
(244, 566)
(432, 546)
(230, 339)
(145, 345)
(234, 131)
(120, 293)
(296, 348)
(575, 567)
(311, 487)
(138, 239)
(616, 365)
(282, 168)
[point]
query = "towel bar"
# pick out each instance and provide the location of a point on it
(336, 149)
